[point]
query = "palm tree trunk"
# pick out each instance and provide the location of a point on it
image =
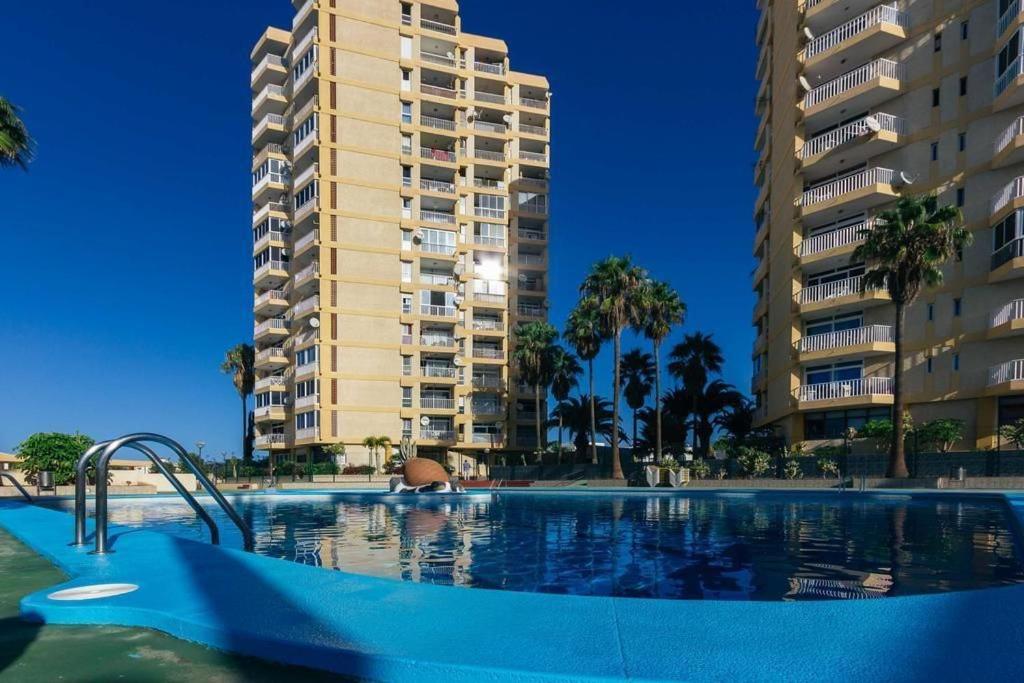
(897, 459)
(657, 402)
(616, 465)
(536, 407)
(634, 434)
(559, 438)
(593, 417)
(246, 453)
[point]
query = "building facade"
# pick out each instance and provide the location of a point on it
(400, 230)
(859, 102)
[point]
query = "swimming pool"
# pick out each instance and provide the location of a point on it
(690, 546)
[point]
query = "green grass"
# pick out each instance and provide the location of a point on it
(33, 653)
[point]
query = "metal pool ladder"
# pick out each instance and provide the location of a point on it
(17, 484)
(106, 450)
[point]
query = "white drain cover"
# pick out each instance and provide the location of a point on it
(99, 590)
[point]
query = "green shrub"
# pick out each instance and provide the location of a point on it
(52, 452)
(1014, 433)
(791, 468)
(753, 462)
(325, 468)
(359, 469)
(828, 466)
(700, 469)
(941, 434)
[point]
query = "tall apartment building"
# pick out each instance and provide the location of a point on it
(400, 227)
(860, 102)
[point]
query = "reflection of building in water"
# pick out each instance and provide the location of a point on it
(860, 585)
(435, 543)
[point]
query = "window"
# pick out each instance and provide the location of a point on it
(935, 151)
(960, 197)
(308, 420)
(1008, 56)
(957, 307)
(406, 240)
(836, 323)
(406, 112)
(963, 86)
(929, 365)
(305, 356)
(406, 271)
(271, 398)
(407, 176)
(964, 30)
(961, 142)
(407, 303)
(304, 63)
(309, 387)
(937, 42)
(306, 194)
(935, 97)
(837, 372)
(305, 129)
(406, 207)
(833, 424)
(406, 144)
(835, 275)
(956, 362)
(1007, 231)
(406, 80)
(931, 312)
(407, 397)
(407, 426)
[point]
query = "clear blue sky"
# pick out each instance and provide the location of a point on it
(127, 246)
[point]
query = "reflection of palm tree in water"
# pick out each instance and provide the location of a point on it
(427, 550)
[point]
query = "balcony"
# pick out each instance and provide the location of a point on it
(484, 407)
(870, 340)
(527, 235)
(489, 97)
(527, 129)
(436, 403)
(437, 279)
(437, 311)
(533, 103)
(1009, 20)
(439, 27)
(271, 302)
(275, 327)
(488, 299)
(852, 143)
(440, 249)
(442, 155)
(440, 217)
(488, 127)
(438, 59)
(1007, 320)
(527, 311)
(437, 123)
(306, 276)
(850, 194)
(307, 434)
(310, 239)
(533, 157)
(863, 88)
(538, 260)
(267, 383)
(262, 213)
(833, 245)
(428, 434)
(439, 186)
(855, 41)
(271, 184)
(822, 15)
(1009, 89)
(487, 325)
(1009, 147)
(267, 442)
(487, 353)
(488, 241)
(271, 128)
(439, 371)
(488, 155)
(840, 294)
(436, 341)
(307, 369)
(270, 273)
(865, 391)
(1008, 261)
(488, 382)
(310, 401)
(272, 69)
(489, 213)
(275, 356)
(270, 100)
(1007, 200)
(1006, 377)
(306, 307)
(275, 413)
(438, 91)
(268, 238)
(496, 69)
(304, 13)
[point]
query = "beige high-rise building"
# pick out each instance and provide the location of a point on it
(861, 101)
(400, 227)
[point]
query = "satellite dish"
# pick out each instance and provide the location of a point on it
(459, 362)
(424, 420)
(457, 269)
(459, 299)
(804, 83)
(417, 235)
(471, 112)
(905, 178)
(507, 118)
(872, 124)
(450, 55)
(809, 33)
(314, 323)
(522, 277)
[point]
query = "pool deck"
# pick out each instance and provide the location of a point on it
(382, 629)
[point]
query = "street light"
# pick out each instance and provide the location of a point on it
(199, 446)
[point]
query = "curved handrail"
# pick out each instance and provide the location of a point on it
(17, 484)
(108, 448)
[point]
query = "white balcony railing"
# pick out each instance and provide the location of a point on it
(437, 186)
(436, 279)
(268, 90)
(307, 401)
(307, 369)
(269, 266)
(1007, 17)
(435, 122)
(1015, 69)
(533, 156)
(486, 325)
(837, 86)
(272, 325)
(850, 286)
(437, 434)
(532, 130)
(488, 353)
(532, 235)
(306, 240)
(487, 212)
(307, 433)
(850, 131)
(882, 14)
(435, 58)
(437, 403)
(488, 68)
(533, 103)
(488, 241)
(488, 127)
(273, 353)
(437, 154)
(846, 184)
(1013, 249)
(442, 371)
(306, 273)
(487, 297)
(487, 382)
(267, 440)
(268, 60)
(489, 97)
(531, 259)
(437, 26)
(1012, 190)
(437, 340)
(846, 388)
(851, 234)
(438, 91)
(306, 305)
(437, 311)
(267, 382)
(1010, 371)
(1011, 311)
(437, 217)
(434, 248)
(1012, 131)
(265, 122)
(488, 155)
(268, 296)
(869, 334)
(266, 238)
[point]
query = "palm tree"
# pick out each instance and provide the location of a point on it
(907, 247)
(614, 284)
(638, 379)
(692, 361)
(583, 332)
(374, 444)
(565, 371)
(738, 421)
(240, 363)
(532, 356)
(575, 414)
(715, 398)
(663, 309)
(16, 144)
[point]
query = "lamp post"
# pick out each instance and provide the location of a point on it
(199, 447)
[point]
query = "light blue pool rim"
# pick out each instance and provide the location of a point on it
(382, 629)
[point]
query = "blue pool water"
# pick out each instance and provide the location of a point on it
(727, 546)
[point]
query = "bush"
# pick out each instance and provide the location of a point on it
(1014, 433)
(753, 462)
(52, 452)
(828, 466)
(393, 466)
(791, 468)
(325, 468)
(941, 434)
(669, 462)
(360, 469)
(700, 469)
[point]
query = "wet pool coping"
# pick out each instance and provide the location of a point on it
(383, 629)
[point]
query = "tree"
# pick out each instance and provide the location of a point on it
(240, 363)
(1014, 433)
(52, 452)
(906, 249)
(583, 332)
(565, 372)
(535, 342)
(714, 399)
(614, 285)
(637, 371)
(373, 444)
(16, 145)
(575, 415)
(662, 309)
(737, 421)
(692, 362)
(942, 433)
